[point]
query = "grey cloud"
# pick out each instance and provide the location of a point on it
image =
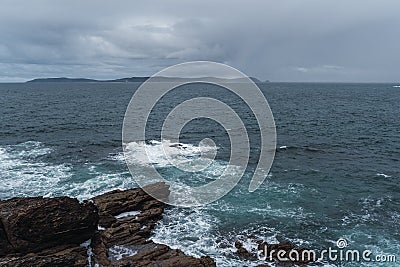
(309, 40)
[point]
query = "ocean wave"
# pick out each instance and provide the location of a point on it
(372, 210)
(184, 165)
(25, 173)
(383, 175)
(196, 233)
(300, 148)
(165, 153)
(22, 174)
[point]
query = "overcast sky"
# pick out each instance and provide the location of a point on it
(285, 40)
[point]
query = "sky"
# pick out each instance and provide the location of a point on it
(285, 40)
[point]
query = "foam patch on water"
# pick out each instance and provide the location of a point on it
(24, 173)
(155, 153)
(185, 166)
(370, 211)
(361, 239)
(383, 175)
(98, 183)
(196, 233)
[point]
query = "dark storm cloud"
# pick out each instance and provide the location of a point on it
(308, 40)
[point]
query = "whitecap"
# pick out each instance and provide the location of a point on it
(155, 152)
(195, 232)
(23, 174)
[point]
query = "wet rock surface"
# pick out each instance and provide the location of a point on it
(74, 256)
(112, 229)
(34, 224)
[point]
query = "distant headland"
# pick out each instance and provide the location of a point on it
(138, 80)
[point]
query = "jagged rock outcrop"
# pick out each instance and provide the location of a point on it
(128, 218)
(41, 231)
(34, 224)
(60, 256)
(116, 227)
(156, 255)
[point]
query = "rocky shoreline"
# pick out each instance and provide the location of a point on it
(112, 229)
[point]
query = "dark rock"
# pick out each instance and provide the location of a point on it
(54, 257)
(133, 231)
(116, 202)
(244, 253)
(47, 231)
(34, 224)
(163, 256)
(5, 246)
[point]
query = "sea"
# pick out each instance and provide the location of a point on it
(336, 173)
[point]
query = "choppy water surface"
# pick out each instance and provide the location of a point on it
(336, 172)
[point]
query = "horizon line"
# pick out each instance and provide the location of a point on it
(171, 77)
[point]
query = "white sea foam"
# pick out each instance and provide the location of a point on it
(98, 184)
(24, 173)
(195, 232)
(119, 252)
(383, 175)
(89, 249)
(127, 214)
(165, 153)
(185, 164)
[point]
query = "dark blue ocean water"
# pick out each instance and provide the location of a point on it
(336, 172)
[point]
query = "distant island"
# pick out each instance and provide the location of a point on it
(136, 80)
